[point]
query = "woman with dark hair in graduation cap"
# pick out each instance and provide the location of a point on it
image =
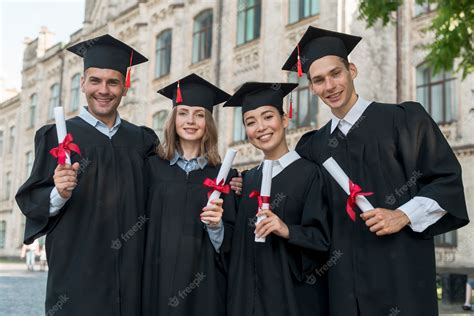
(279, 276)
(186, 243)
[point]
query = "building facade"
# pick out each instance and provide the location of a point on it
(229, 43)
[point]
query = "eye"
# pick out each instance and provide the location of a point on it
(249, 123)
(200, 115)
(337, 73)
(318, 81)
(268, 117)
(182, 113)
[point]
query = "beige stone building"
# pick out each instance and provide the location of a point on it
(230, 42)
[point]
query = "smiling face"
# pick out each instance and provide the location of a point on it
(265, 128)
(104, 89)
(333, 82)
(190, 123)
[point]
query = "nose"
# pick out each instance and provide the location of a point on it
(104, 89)
(329, 84)
(190, 119)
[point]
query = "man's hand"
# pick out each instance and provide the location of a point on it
(385, 222)
(271, 224)
(236, 184)
(65, 179)
(212, 214)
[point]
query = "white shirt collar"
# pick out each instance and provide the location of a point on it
(353, 115)
(92, 120)
(284, 161)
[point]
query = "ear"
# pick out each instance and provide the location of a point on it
(124, 93)
(353, 70)
(285, 120)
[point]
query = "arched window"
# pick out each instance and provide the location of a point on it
(202, 36)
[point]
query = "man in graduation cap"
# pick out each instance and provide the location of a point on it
(397, 153)
(92, 212)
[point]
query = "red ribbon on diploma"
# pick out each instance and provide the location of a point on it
(260, 199)
(210, 183)
(64, 149)
(354, 191)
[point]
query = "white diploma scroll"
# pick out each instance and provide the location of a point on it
(343, 180)
(265, 190)
(222, 175)
(61, 127)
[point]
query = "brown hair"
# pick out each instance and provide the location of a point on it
(208, 148)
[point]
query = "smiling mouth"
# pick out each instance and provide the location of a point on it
(190, 130)
(265, 137)
(103, 100)
(334, 96)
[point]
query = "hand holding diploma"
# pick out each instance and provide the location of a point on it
(219, 185)
(263, 196)
(356, 196)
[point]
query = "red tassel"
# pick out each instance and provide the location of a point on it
(129, 72)
(298, 63)
(179, 98)
(290, 111)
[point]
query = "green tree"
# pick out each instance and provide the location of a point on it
(452, 26)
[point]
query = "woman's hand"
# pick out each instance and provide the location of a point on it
(271, 224)
(212, 214)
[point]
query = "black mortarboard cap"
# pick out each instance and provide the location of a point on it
(317, 43)
(193, 90)
(107, 52)
(253, 95)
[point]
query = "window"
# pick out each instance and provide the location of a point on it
(202, 36)
(8, 185)
(53, 100)
(448, 239)
(75, 87)
(29, 162)
(159, 120)
(3, 233)
(248, 20)
(239, 129)
(305, 104)
(12, 139)
(33, 106)
(163, 54)
(436, 93)
(424, 8)
(1, 143)
(301, 9)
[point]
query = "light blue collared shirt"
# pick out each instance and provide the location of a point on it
(56, 202)
(216, 234)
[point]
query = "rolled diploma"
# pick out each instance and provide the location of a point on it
(343, 180)
(61, 127)
(265, 190)
(222, 175)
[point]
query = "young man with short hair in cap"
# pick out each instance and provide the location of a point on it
(281, 276)
(92, 212)
(397, 152)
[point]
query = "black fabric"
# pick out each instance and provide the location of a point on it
(274, 278)
(183, 274)
(94, 245)
(396, 151)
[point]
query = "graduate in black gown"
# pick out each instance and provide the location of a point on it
(281, 276)
(93, 212)
(397, 152)
(187, 242)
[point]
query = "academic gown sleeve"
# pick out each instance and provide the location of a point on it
(304, 146)
(33, 197)
(150, 141)
(425, 150)
(309, 241)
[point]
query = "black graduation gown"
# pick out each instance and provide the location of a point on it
(397, 152)
(95, 244)
(183, 274)
(274, 278)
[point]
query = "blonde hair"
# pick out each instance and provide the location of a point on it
(208, 148)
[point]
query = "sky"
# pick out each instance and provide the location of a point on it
(24, 18)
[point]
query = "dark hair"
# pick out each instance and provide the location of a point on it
(343, 60)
